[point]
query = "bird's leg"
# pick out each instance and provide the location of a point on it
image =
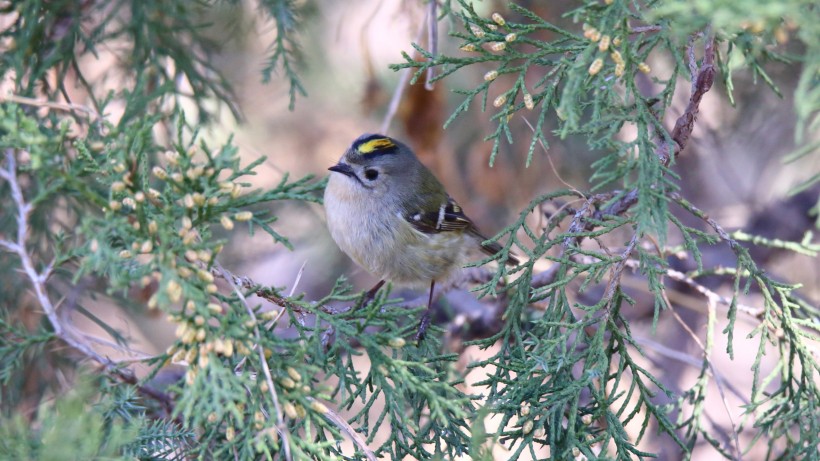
(426, 317)
(371, 293)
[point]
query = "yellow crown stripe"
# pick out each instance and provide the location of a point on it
(374, 145)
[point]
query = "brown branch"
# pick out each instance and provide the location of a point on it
(701, 84)
(711, 296)
(698, 213)
(615, 279)
(579, 224)
(619, 206)
(470, 275)
(479, 275)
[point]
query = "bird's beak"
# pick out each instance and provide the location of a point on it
(344, 169)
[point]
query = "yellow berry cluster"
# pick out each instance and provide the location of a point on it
(479, 32)
(129, 197)
(196, 349)
(608, 43)
(182, 172)
(196, 200)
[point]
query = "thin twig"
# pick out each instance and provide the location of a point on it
(707, 353)
(756, 312)
(642, 29)
(432, 41)
(710, 295)
(248, 284)
(68, 107)
(139, 356)
(66, 305)
(399, 91)
(354, 436)
(329, 414)
(280, 419)
(38, 282)
(689, 360)
(549, 159)
(615, 278)
(698, 213)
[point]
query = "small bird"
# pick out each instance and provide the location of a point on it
(391, 215)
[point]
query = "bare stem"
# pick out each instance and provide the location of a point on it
(432, 41)
(38, 282)
(280, 419)
(68, 107)
(400, 87)
(643, 29)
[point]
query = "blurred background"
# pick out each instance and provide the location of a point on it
(733, 167)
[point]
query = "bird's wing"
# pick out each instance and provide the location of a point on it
(448, 217)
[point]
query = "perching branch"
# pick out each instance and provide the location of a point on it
(328, 414)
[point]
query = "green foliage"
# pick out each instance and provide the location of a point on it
(113, 206)
(414, 384)
(749, 27)
(286, 53)
(69, 428)
(17, 345)
(417, 391)
(579, 356)
(137, 213)
(592, 92)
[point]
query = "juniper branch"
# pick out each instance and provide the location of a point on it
(701, 83)
(711, 296)
(280, 420)
(38, 281)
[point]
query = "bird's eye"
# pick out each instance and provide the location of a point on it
(371, 174)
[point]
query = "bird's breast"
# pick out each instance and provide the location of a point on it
(377, 237)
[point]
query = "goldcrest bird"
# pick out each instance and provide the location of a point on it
(391, 215)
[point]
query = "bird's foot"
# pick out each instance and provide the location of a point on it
(423, 324)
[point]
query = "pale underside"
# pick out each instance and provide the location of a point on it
(380, 240)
